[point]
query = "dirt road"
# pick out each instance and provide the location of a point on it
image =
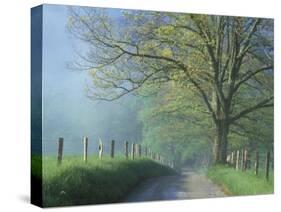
(188, 185)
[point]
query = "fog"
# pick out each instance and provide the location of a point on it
(67, 111)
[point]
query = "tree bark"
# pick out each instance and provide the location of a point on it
(224, 141)
(216, 148)
(221, 141)
(221, 131)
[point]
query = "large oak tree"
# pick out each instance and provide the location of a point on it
(226, 61)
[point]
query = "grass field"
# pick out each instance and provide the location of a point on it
(241, 183)
(97, 181)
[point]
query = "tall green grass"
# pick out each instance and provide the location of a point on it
(241, 183)
(97, 181)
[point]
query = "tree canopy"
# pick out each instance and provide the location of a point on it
(223, 64)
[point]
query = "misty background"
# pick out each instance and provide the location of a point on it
(172, 122)
(67, 111)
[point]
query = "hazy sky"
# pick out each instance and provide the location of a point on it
(67, 112)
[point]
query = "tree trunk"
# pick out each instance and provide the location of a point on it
(224, 142)
(216, 147)
(221, 125)
(220, 141)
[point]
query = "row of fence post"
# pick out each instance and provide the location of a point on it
(136, 151)
(243, 162)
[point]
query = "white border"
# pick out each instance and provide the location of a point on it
(15, 102)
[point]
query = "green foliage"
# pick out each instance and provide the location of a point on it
(207, 71)
(240, 183)
(254, 132)
(97, 181)
(174, 126)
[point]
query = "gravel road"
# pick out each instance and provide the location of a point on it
(188, 185)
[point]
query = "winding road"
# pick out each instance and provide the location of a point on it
(188, 185)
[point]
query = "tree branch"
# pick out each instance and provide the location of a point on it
(249, 76)
(261, 104)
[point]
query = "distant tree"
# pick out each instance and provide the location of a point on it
(177, 127)
(227, 61)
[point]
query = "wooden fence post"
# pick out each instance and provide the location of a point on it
(136, 150)
(245, 158)
(85, 141)
(60, 150)
(145, 151)
(237, 160)
(272, 160)
(267, 165)
(100, 149)
(139, 150)
(234, 159)
(150, 153)
(126, 149)
(242, 159)
(133, 151)
(257, 163)
(249, 160)
(112, 149)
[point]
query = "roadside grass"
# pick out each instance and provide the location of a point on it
(75, 182)
(241, 183)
